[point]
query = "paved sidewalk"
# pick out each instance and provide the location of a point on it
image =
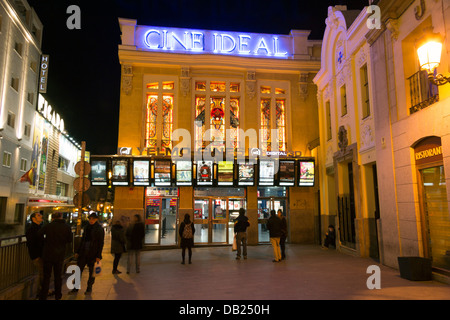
(308, 273)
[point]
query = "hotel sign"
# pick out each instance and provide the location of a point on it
(43, 74)
(213, 42)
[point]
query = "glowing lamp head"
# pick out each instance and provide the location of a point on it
(429, 52)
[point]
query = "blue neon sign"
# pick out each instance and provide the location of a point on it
(213, 42)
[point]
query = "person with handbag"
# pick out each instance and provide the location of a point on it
(90, 249)
(240, 229)
(118, 241)
(186, 233)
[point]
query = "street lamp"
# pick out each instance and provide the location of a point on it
(429, 52)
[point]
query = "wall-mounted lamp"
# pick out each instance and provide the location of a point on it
(429, 52)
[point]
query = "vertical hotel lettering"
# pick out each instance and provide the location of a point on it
(43, 73)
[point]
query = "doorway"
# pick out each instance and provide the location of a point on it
(214, 219)
(161, 220)
(269, 199)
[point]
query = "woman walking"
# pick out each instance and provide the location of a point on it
(118, 241)
(186, 233)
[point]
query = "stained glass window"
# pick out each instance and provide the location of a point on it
(167, 122)
(217, 86)
(273, 116)
(159, 115)
(199, 124)
(281, 123)
(151, 119)
(234, 123)
(265, 125)
(217, 119)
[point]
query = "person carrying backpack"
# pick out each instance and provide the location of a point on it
(186, 233)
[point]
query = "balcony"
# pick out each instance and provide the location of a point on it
(422, 92)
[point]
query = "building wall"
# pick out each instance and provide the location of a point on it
(140, 66)
(20, 42)
(398, 130)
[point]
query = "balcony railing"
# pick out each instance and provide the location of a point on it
(423, 93)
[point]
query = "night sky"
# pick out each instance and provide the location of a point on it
(84, 70)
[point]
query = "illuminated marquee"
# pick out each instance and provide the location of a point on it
(213, 42)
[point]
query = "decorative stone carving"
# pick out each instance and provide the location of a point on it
(367, 139)
(303, 86)
(127, 78)
(342, 138)
(392, 26)
(251, 84)
(185, 81)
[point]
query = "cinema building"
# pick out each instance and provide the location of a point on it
(211, 122)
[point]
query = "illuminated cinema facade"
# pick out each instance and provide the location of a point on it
(210, 122)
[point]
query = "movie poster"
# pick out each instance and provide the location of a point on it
(162, 173)
(246, 174)
(287, 173)
(266, 173)
(225, 173)
(120, 172)
(184, 173)
(306, 176)
(141, 172)
(204, 172)
(98, 173)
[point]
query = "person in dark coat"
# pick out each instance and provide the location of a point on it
(57, 236)
(35, 245)
(240, 229)
(283, 233)
(274, 227)
(118, 242)
(186, 233)
(90, 249)
(135, 241)
(330, 237)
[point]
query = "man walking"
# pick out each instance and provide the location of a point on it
(274, 227)
(35, 244)
(90, 250)
(57, 235)
(240, 229)
(283, 233)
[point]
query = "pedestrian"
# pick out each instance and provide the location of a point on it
(283, 234)
(274, 227)
(240, 229)
(330, 237)
(135, 242)
(35, 244)
(118, 242)
(57, 236)
(186, 233)
(90, 249)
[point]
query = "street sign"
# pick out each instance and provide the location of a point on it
(78, 202)
(81, 184)
(87, 168)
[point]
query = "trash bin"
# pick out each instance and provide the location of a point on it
(415, 268)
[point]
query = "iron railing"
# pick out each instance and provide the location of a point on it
(422, 92)
(15, 263)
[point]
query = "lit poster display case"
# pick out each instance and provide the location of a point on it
(306, 173)
(225, 173)
(98, 173)
(119, 170)
(246, 176)
(204, 173)
(287, 173)
(266, 173)
(162, 173)
(141, 172)
(183, 173)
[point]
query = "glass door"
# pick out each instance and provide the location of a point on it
(233, 212)
(152, 215)
(201, 220)
(168, 213)
(219, 220)
(265, 206)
